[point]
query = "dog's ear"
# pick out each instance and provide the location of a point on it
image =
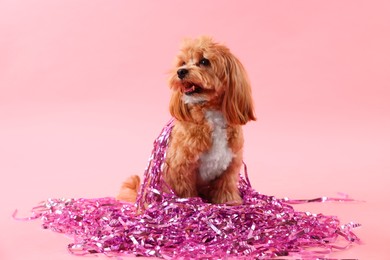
(178, 108)
(237, 104)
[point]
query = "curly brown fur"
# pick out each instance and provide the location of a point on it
(211, 100)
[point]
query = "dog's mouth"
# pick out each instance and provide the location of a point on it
(190, 88)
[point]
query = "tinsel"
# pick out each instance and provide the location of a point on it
(162, 225)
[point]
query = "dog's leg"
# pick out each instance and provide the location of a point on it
(188, 142)
(182, 179)
(225, 187)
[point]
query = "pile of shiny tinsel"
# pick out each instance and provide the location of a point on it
(172, 227)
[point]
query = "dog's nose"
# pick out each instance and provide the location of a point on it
(181, 73)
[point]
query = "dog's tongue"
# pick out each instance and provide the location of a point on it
(190, 89)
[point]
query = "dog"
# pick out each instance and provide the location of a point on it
(211, 100)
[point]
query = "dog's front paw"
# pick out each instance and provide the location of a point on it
(229, 198)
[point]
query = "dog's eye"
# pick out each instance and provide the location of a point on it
(204, 62)
(182, 63)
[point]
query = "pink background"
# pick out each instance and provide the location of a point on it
(83, 94)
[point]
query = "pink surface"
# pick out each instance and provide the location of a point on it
(83, 94)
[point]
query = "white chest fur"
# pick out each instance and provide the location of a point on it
(216, 160)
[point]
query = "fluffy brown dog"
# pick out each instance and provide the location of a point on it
(211, 99)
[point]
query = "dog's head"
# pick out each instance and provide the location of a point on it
(207, 74)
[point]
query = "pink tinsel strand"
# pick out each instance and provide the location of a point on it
(172, 227)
